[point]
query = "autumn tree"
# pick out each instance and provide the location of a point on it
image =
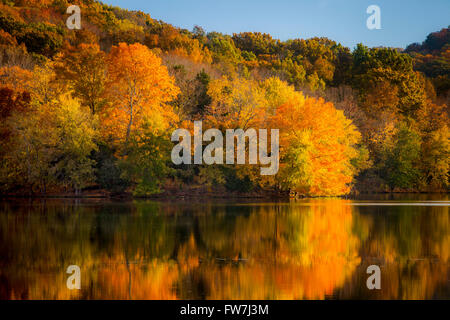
(11, 102)
(146, 165)
(317, 144)
(401, 158)
(432, 125)
(236, 103)
(192, 79)
(139, 88)
(373, 68)
(83, 68)
(256, 42)
(75, 128)
(52, 144)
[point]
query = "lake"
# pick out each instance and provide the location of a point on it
(217, 249)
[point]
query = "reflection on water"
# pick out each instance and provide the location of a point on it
(311, 249)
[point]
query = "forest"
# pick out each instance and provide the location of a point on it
(93, 109)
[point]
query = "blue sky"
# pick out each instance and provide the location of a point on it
(402, 21)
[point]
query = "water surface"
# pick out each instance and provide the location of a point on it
(305, 249)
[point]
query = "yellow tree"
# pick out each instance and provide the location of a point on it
(83, 69)
(139, 89)
(316, 145)
(75, 127)
(237, 103)
(433, 125)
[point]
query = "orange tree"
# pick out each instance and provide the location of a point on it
(139, 89)
(317, 144)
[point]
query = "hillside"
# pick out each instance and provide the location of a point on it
(371, 119)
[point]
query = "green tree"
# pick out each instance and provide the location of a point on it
(145, 165)
(75, 132)
(400, 167)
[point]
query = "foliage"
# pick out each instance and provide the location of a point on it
(94, 107)
(83, 69)
(139, 89)
(146, 162)
(401, 159)
(316, 150)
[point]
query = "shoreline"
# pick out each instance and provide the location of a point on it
(210, 195)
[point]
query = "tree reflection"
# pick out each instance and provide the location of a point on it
(311, 249)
